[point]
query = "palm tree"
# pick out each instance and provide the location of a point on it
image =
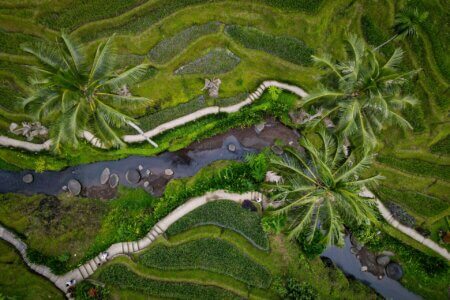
(406, 24)
(367, 95)
(74, 95)
(321, 189)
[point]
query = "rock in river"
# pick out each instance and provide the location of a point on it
(394, 271)
(133, 176)
(113, 180)
(383, 260)
(232, 147)
(28, 178)
(168, 172)
(104, 177)
(74, 187)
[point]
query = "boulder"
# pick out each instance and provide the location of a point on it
(260, 127)
(133, 176)
(113, 180)
(104, 177)
(148, 172)
(140, 168)
(394, 271)
(364, 269)
(383, 260)
(28, 178)
(168, 172)
(277, 149)
(74, 187)
(232, 147)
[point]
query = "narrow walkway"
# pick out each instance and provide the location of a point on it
(9, 142)
(125, 248)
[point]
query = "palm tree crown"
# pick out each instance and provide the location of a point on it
(74, 95)
(408, 21)
(368, 93)
(321, 189)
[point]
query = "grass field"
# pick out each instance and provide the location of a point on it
(273, 39)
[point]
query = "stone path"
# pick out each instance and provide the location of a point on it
(96, 142)
(126, 248)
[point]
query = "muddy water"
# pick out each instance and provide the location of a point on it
(183, 163)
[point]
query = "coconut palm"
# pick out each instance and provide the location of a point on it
(321, 189)
(367, 95)
(75, 95)
(406, 24)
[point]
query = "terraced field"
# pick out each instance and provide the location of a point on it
(243, 42)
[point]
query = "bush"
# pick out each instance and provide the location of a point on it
(58, 265)
(274, 223)
(290, 288)
(86, 290)
(226, 214)
(168, 48)
(285, 47)
(208, 254)
(119, 276)
(416, 166)
(312, 248)
(421, 204)
(216, 61)
(82, 11)
(259, 165)
(154, 120)
(442, 146)
(310, 6)
(142, 19)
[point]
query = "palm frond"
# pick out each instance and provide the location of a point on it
(104, 60)
(128, 77)
(395, 60)
(75, 51)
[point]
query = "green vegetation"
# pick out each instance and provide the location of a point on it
(226, 214)
(442, 146)
(120, 277)
(17, 282)
(207, 254)
(416, 166)
(216, 61)
(288, 48)
(167, 49)
(325, 184)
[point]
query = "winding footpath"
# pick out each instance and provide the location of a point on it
(96, 142)
(126, 248)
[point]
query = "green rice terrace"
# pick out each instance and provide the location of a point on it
(224, 149)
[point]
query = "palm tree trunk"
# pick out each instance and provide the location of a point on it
(386, 42)
(138, 129)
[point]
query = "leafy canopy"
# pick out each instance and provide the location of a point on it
(368, 93)
(73, 94)
(321, 189)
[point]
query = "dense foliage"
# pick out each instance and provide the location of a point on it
(208, 254)
(285, 47)
(119, 276)
(321, 189)
(226, 214)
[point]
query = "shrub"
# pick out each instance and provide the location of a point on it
(416, 166)
(82, 11)
(216, 61)
(208, 254)
(258, 165)
(168, 48)
(442, 146)
(314, 247)
(87, 290)
(299, 291)
(119, 276)
(285, 47)
(421, 204)
(226, 214)
(274, 223)
(58, 265)
(310, 6)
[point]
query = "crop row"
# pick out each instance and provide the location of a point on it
(208, 254)
(225, 214)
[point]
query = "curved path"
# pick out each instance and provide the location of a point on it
(9, 142)
(124, 248)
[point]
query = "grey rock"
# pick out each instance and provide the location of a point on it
(64, 188)
(28, 178)
(113, 180)
(74, 187)
(133, 176)
(394, 271)
(354, 250)
(388, 253)
(146, 184)
(168, 172)
(140, 168)
(105, 176)
(232, 147)
(383, 260)
(148, 172)
(364, 269)
(149, 189)
(260, 127)
(277, 149)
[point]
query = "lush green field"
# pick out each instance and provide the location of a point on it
(273, 39)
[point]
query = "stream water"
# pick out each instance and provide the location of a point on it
(186, 163)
